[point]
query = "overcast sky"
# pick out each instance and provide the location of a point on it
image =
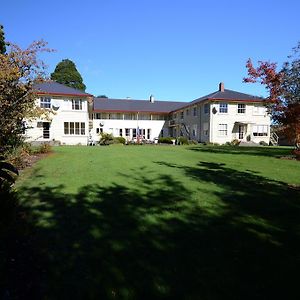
(175, 49)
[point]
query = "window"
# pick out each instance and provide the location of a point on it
(258, 110)
(127, 131)
(45, 102)
(222, 129)
(115, 116)
(134, 133)
(129, 116)
(158, 117)
(260, 130)
(187, 112)
(206, 108)
(97, 116)
(99, 130)
(144, 117)
(181, 115)
(120, 132)
(194, 130)
(175, 116)
(223, 108)
(148, 133)
(241, 108)
(76, 104)
(205, 129)
(76, 128)
(195, 111)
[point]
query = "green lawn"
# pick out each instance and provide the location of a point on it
(148, 222)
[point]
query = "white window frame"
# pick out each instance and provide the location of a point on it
(206, 108)
(45, 102)
(222, 129)
(76, 104)
(241, 108)
(260, 130)
(74, 128)
(223, 108)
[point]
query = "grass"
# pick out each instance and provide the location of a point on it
(148, 222)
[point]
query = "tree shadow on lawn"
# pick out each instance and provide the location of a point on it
(156, 242)
(255, 151)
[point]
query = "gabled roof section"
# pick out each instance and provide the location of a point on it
(143, 106)
(229, 95)
(58, 89)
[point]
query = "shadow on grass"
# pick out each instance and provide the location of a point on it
(256, 151)
(155, 242)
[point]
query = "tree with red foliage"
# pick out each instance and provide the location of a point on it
(283, 88)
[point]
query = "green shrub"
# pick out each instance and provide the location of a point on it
(106, 138)
(165, 140)
(235, 142)
(45, 148)
(182, 141)
(119, 140)
(193, 142)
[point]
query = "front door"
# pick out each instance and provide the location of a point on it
(46, 130)
(241, 131)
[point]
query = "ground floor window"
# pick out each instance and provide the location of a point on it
(222, 130)
(260, 130)
(74, 128)
(134, 133)
(148, 133)
(120, 132)
(99, 130)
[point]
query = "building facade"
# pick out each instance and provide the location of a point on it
(77, 117)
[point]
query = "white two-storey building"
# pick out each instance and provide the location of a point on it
(219, 117)
(68, 120)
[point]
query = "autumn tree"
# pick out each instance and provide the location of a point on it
(19, 71)
(283, 88)
(66, 73)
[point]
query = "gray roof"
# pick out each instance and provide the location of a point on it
(228, 95)
(55, 88)
(120, 105)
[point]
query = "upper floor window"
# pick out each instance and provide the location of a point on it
(241, 108)
(181, 115)
(206, 108)
(187, 112)
(76, 104)
(223, 108)
(258, 109)
(195, 111)
(45, 102)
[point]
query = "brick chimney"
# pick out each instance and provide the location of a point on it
(221, 87)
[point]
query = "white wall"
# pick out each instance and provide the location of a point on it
(113, 126)
(233, 119)
(64, 113)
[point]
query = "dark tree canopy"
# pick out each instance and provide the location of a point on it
(102, 96)
(66, 73)
(2, 41)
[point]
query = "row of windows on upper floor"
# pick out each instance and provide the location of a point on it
(128, 116)
(45, 102)
(223, 109)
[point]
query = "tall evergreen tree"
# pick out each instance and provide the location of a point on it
(66, 73)
(2, 41)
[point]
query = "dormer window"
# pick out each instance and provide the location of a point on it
(45, 102)
(76, 104)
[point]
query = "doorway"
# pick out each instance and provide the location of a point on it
(46, 130)
(241, 131)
